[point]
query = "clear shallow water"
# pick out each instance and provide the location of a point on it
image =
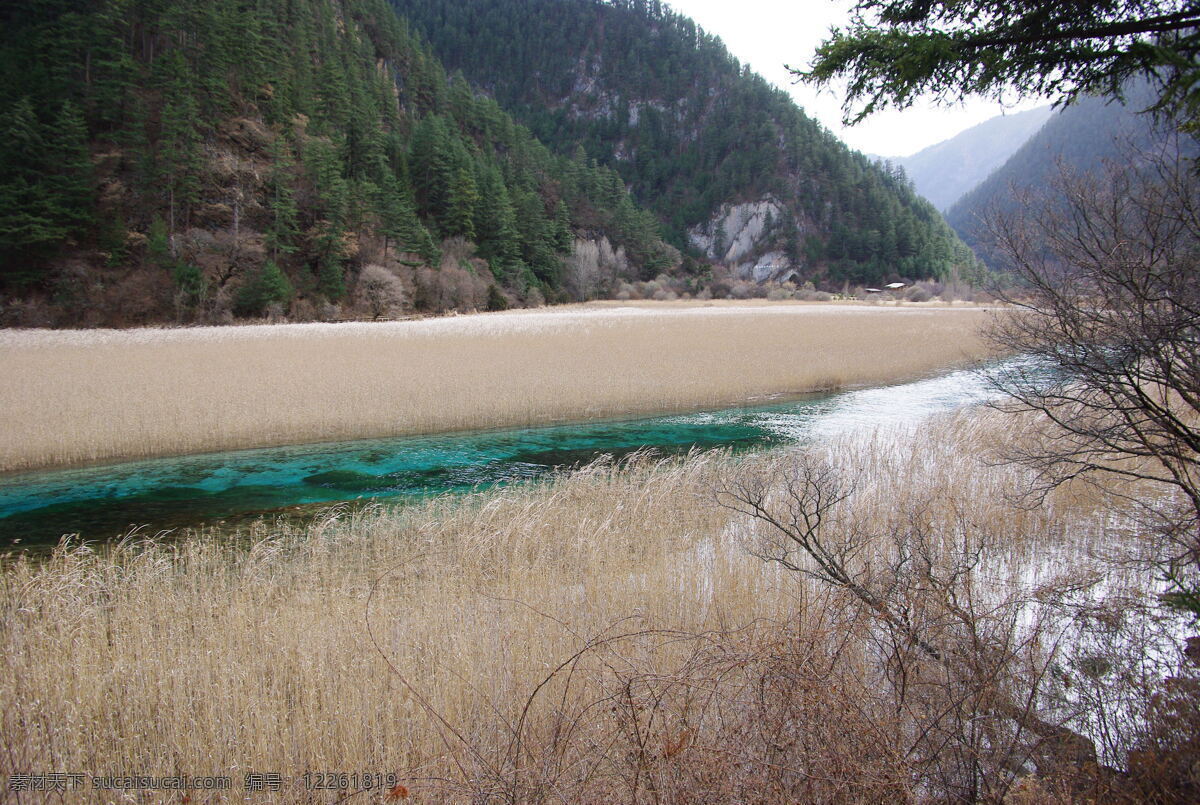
(106, 501)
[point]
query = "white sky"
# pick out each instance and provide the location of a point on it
(766, 34)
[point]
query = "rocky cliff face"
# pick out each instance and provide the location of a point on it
(742, 236)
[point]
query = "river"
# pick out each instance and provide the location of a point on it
(105, 502)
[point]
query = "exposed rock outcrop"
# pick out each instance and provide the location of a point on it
(740, 237)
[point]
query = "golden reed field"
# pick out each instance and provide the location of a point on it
(609, 636)
(628, 632)
(80, 396)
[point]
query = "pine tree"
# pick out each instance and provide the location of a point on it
(399, 222)
(29, 222)
(459, 216)
(331, 277)
(179, 146)
(333, 89)
(462, 102)
(71, 183)
(268, 286)
(110, 71)
(564, 238)
(537, 235)
(390, 144)
(283, 228)
(496, 222)
(191, 287)
(325, 170)
(432, 164)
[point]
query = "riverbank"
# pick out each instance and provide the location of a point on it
(587, 640)
(74, 397)
(100, 503)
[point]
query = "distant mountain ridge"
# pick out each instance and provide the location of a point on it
(1079, 137)
(944, 172)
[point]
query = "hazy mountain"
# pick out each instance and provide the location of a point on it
(734, 169)
(1079, 137)
(943, 172)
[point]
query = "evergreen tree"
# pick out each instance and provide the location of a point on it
(974, 47)
(191, 287)
(283, 227)
(399, 222)
(325, 170)
(158, 245)
(731, 136)
(537, 236)
(179, 146)
(564, 239)
(166, 92)
(431, 162)
(71, 180)
(29, 218)
(461, 198)
(331, 277)
(495, 220)
(268, 286)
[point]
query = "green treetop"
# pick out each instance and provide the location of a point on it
(894, 51)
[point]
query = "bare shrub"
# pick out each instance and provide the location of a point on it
(593, 267)
(647, 289)
(456, 251)
(961, 291)
(932, 287)
(1163, 764)
(304, 310)
(223, 256)
(918, 294)
(452, 287)
(380, 291)
(964, 666)
(534, 298)
(1108, 265)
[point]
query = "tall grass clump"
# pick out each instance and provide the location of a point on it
(614, 635)
(71, 397)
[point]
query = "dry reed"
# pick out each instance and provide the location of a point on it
(411, 640)
(84, 396)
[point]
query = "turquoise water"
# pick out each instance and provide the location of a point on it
(105, 502)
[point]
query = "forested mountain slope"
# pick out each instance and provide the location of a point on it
(1077, 138)
(165, 159)
(735, 170)
(945, 171)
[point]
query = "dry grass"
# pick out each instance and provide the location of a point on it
(72, 397)
(411, 640)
